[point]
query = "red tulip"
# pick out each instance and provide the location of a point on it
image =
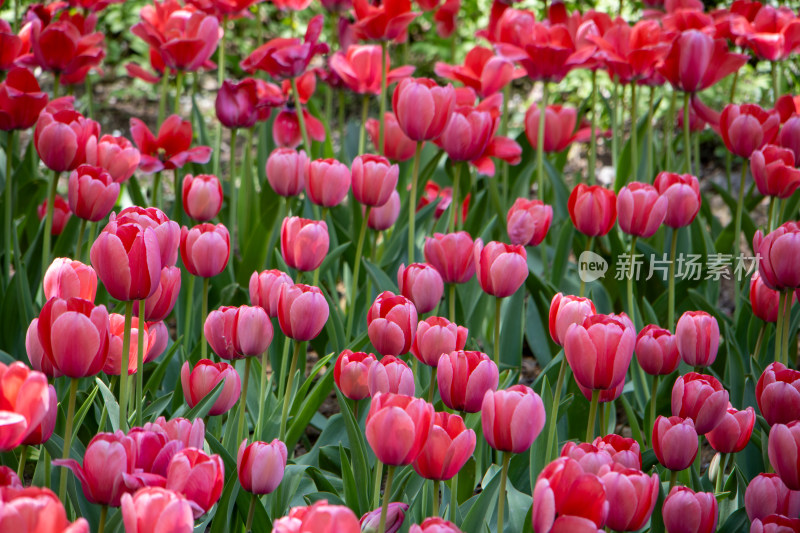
(763, 300)
(559, 127)
(450, 444)
(21, 99)
(451, 255)
(168, 232)
(674, 442)
(383, 217)
(766, 494)
(304, 243)
(66, 278)
(351, 373)
(302, 311)
(697, 337)
(202, 196)
(422, 107)
(789, 136)
(219, 331)
(197, 476)
(11, 46)
(61, 136)
(773, 170)
(319, 518)
(640, 209)
(187, 40)
(547, 52)
(236, 103)
(564, 490)
(657, 351)
(733, 432)
(592, 209)
(501, 268)
(286, 128)
(464, 378)
(156, 505)
(285, 58)
(260, 466)
(512, 418)
(772, 34)
(422, 284)
(697, 61)
(482, 71)
(777, 250)
(690, 512)
(9, 478)
(396, 144)
(632, 53)
(92, 193)
(390, 374)
(373, 179)
(528, 222)
(41, 433)
(171, 149)
(700, 397)
(287, 171)
(397, 427)
(747, 127)
(566, 310)
(683, 197)
(65, 48)
(632, 496)
(599, 351)
(117, 328)
(435, 337)
(360, 68)
(36, 509)
(778, 394)
(265, 288)
(392, 323)
(205, 249)
(385, 22)
(24, 392)
(201, 380)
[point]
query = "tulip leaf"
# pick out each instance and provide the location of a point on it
(358, 451)
(512, 326)
(382, 280)
(483, 504)
(156, 378)
(204, 405)
(112, 407)
(332, 257)
(563, 247)
(310, 405)
(737, 521)
(633, 420)
(80, 414)
(156, 408)
(351, 493)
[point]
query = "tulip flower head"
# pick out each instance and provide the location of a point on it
(390, 374)
(265, 287)
(397, 427)
(564, 490)
(21, 99)
(592, 209)
(66, 278)
(422, 107)
(733, 433)
(304, 243)
(675, 442)
(198, 476)
(700, 397)
(683, 197)
(697, 337)
(450, 444)
(260, 465)
(205, 249)
(778, 394)
(302, 311)
(464, 378)
(351, 373)
(657, 351)
(512, 418)
(640, 209)
(156, 505)
(287, 171)
(528, 222)
(287, 58)
(169, 150)
(686, 510)
(773, 169)
(202, 196)
(599, 350)
(199, 381)
(566, 310)
(437, 336)
(766, 494)
(777, 250)
(395, 516)
(452, 255)
(37, 509)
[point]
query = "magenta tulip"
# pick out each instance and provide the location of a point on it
(674, 442)
(397, 427)
(422, 284)
(391, 323)
(512, 418)
(198, 382)
(260, 465)
(304, 242)
(700, 397)
(437, 336)
(450, 444)
(501, 268)
(302, 311)
(464, 378)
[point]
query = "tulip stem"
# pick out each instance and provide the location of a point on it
(673, 247)
(592, 415)
(498, 303)
(504, 133)
(263, 396)
(140, 364)
(455, 219)
(301, 120)
(234, 192)
(669, 126)
(673, 478)
(771, 214)
(250, 512)
(412, 202)
(501, 499)
(178, 205)
(204, 316)
(435, 494)
(48, 223)
(387, 493)
(634, 135)
(356, 271)
(593, 137)
(178, 89)
(362, 132)
(56, 84)
(776, 81)
(23, 455)
(582, 289)
(719, 482)
(342, 123)
(432, 387)
(162, 102)
(653, 398)
(376, 493)
(687, 135)
(649, 150)
(123, 367)
(737, 228)
(451, 300)
(454, 500)
(73, 391)
(787, 326)
(284, 363)
(540, 140)
(760, 341)
(187, 321)
(220, 79)
(8, 207)
(101, 526)
(614, 125)
(631, 272)
(288, 395)
(243, 399)
(552, 418)
(382, 98)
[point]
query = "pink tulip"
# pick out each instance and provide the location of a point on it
(205, 249)
(675, 442)
(437, 336)
(700, 397)
(397, 146)
(592, 209)
(512, 418)
(452, 255)
(374, 179)
(351, 373)
(265, 287)
(422, 284)
(592, 459)
(383, 217)
(632, 496)
(464, 378)
(773, 171)
(779, 251)
(198, 476)
(783, 453)
(564, 490)
(434, 524)
(501, 268)
(190, 433)
(686, 511)
(775, 524)
(155, 505)
(640, 209)
(327, 182)
(218, 331)
(422, 107)
(92, 193)
(116, 155)
(287, 171)
(116, 326)
(160, 334)
(41, 433)
(566, 310)
(733, 432)
(657, 351)
(746, 128)
(260, 465)
(766, 494)
(159, 305)
(25, 392)
(302, 311)
(683, 197)
(778, 394)
(395, 516)
(397, 427)
(763, 300)
(697, 336)
(66, 278)
(61, 136)
(127, 260)
(528, 222)
(599, 351)
(252, 331)
(319, 518)
(168, 232)
(624, 451)
(61, 214)
(304, 243)
(198, 382)
(202, 196)
(450, 444)
(390, 374)
(36, 509)
(391, 323)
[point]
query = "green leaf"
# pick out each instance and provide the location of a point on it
(310, 405)
(112, 407)
(483, 507)
(205, 404)
(382, 281)
(358, 451)
(81, 413)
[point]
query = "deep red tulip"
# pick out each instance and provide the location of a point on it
(302, 311)
(435, 337)
(778, 394)
(218, 331)
(197, 382)
(766, 494)
(483, 71)
(566, 310)
(304, 243)
(92, 192)
(287, 171)
(168, 232)
(773, 170)
(697, 61)
(464, 378)
(700, 397)
(624, 451)
(185, 42)
(21, 99)
(396, 144)
(501, 268)
(422, 107)
(156, 505)
(657, 351)
(66, 49)
(351, 373)
(287, 58)
(383, 217)
(373, 179)
(9, 478)
(319, 518)
(236, 103)
(116, 327)
(390, 374)
(260, 465)
(512, 418)
(265, 287)
(360, 68)
(198, 476)
(385, 22)
(559, 127)
(397, 427)
(66, 278)
(36, 509)
(205, 249)
(202, 196)
(640, 209)
(61, 137)
(733, 432)
(171, 149)
(674, 442)
(697, 337)
(422, 284)
(778, 252)
(564, 490)
(452, 255)
(392, 323)
(599, 351)
(11, 46)
(528, 222)
(683, 197)
(434, 524)
(763, 300)
(747, 127)
(593, 209)
(632, 496)
(252, 331)
(286, 128)
(450, 444)
(686, 511)
(772, 34)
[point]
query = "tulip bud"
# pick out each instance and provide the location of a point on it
(391, 374)
(61, 137)
(674, 442)
(198, 476)
(327, 182)
(202, 196)
(528, 222)
(395, 515)
(501, 268)
(159, 335)
(599, 351)
(783, 452)
(700, 397)
(733, 433)
(66, 278)
(683, 197)
(766, 494)
(374, 179)
(688, 511)
(304, 242)
(564, 490)
(467, 134)
(422, 107)
(218, 330)
(261, 465)
(205, 249)
(236, 103)
(287, 171)
(383, 217)
(565, 311)
(302, 311)
(252, 331)
(264, 289)
(776, 269)
(156, 505)
(168, 232)
(397, 427)
(61, 214)
(452, 255)
(778, 394)
(697, 336)
(450, 445)
(592, 209)
(640, 209)
(422, 284)
(202, 379)
(657, 351)
(512, 418)
(92, 193)
(391, 323)
(351, 373)
(437, 336)
(464, 378)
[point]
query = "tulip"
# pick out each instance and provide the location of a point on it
(287, 171)
(657, 351)
(360, 67)
(483, 71)
(746, 128)
(12, 46)
(422, 284)
(260, 466)
(763, 300)
(327, 182)
(265, 288)
(116, 155)
(559, 127)
(783, 453)
(218, 330)
(116, 327)
(390, 374)
(632, 496)
(778, 394)
(374, 179)
(683, 197)
(61, 136)
(236, 103)
(674, 442)
(396, 145)
(287, 58)
(700, 397)
(61, 214)
(397, 427)
(733, 433)
(66, 48)
(383, 217)
(204, 377)
(451, 255)
(766, 494)
(512, 418)
(697, 337)
(160, 334)
(197, 476)
(205, 249)
(190, 433)
(302, 311)
(422, 107)
(501, 268)
(777, 251)
(395, 516)
(252, 331)
(566, 310)
(351, 373)
(9, 478)
(450, 444)
(21, 99)
(690, 512)
(168, 232)
(775, 524)
(592, 209)
(469, 136)
(155, 505)
(159, 305)
(41, 433)
(624, 451)
(599, 351)
(443, 198)
(697, 61)
(592, 459)
(434, 524)
(66, 278)
(604, 395)
(24, 392)
(202, 196)
(640, 209)
(187, 41)
(304, 242)
(319, 518)
(386, 22)
(773, 170)
(563, 489)
(789, 136)
(286, 129)
(36, 509)
(528, 222)
(12, 430)
(127, 259)
(437, 336)
(771, 33)
(153, 450)
(464, 378)
(169, 150)
(92, 193)
(392, 323)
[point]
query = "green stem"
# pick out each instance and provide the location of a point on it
(776, 81)
(102, 523)
(631, 272)
(215, 165)
(668, 129)
(687, 135)
(435, 493)
(177, 208)
(342, 124)
(498, 302)
(356, 270)
(243, 399)
(504, 133)
(234, 196)
(204, 316)
(250, 512)
(760, 341)
(382, 98)
(432, 387)
(140, 366)
(719, 483)
(582, 289)
(162, 102)
(301, 120)
(454, 500)
(737, 228)
(23, 455)
(178, 89)
(123, 368)
(362, 131)
(187, 320)
(552, 417)
(653, 397)
(673, 248)
(284, 365)
(376, 492)
(615, 125)
(263, 396)
(48, 223)
(451, 301)
(73, 391)
(387, 494)
(593, 138)
(155, 194)
(540, 140)
(8, 208)
(455, 215)
(89, 95)
(673, 478)
(412, 202)
(787, 326)
(501, 498)
(634, 135)
(288, 395)
(649, 151)
(56, 84)
(592, 415)
(696, 153)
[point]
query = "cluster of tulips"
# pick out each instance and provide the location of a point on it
(113, 329)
